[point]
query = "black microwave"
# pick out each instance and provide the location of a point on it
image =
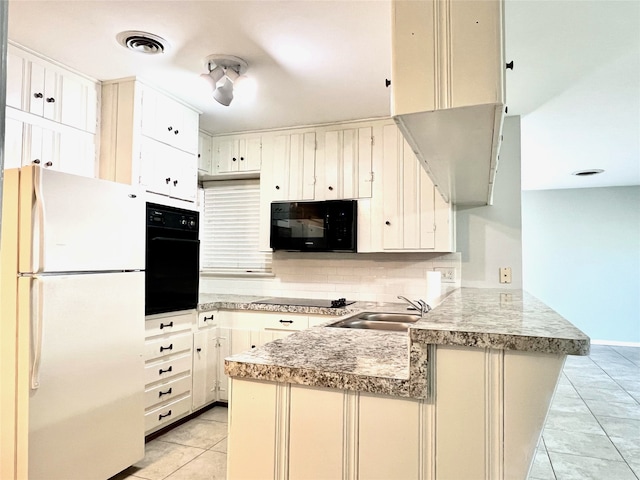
(328, 226)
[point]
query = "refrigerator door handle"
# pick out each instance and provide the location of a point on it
(36, 331)
(38, 267)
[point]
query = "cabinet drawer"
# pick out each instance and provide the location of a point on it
(207, 319)
(167, 413)
(275, 321)
(169, 345)
(262, 320)
(159, 325)
(169, 368)
(166, 391)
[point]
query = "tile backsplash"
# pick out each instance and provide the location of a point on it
(372, 276)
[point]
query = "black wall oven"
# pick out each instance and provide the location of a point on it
(172, 259)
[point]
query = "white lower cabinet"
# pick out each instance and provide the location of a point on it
(168, 368)
(205, 367)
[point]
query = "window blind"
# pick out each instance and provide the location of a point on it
(229, 231)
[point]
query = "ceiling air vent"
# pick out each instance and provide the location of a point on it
(142, 42)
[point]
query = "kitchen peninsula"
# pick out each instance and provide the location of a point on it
(463, 394)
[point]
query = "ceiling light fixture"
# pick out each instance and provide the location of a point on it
(224, 72)
(587, 173)
(142, 42)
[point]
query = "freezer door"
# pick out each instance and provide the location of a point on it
(86, 412)
(70, 223)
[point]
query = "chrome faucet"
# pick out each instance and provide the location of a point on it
(419, 305)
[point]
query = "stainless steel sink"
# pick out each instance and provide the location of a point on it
(398, 322)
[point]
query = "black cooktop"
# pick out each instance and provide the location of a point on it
(306, 302)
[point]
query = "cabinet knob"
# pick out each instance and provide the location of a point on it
(36, 161)
(253, 346)
(506, 109)
(198, 155)
(241, 159)
(277, 187)
(170, 128)
(387, 82)
(175, 132)
(50, 100)
(330, 187)
(234, 159)
(175, 183)
(198, 349)
(387, 222)
(167, 180)
(48, 164)
(510, 65)
(38, 95)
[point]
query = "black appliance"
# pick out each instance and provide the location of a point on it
(172, 259)
(329, 226)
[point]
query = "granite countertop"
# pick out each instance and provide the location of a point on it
(395, 363)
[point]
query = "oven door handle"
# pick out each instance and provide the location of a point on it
(169, 239)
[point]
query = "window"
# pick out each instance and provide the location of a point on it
(230, 228)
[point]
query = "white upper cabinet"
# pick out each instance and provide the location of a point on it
(205, 155)
(448, 95)
(293, 169)
(148, 139)
(236, 154)
(347, 164)
(169, 121)
(50, 91)
(51, 115)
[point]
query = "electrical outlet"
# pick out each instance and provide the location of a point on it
(505, 274)
(447, 274)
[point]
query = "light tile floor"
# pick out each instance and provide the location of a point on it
(592, 432)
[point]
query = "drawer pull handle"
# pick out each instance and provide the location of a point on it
(286, 321)
(167, 325)
(161, 371)
(161, 416)
(162, 349)
(168, 392)
(208, 318)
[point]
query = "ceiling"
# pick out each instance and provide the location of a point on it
(575, 82)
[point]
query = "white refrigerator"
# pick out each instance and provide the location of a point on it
(81, 256)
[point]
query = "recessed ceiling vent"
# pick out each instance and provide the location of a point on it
(587, 173)
(142, 42)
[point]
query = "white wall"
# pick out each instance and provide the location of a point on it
(372, 276)
(490, 237)
(582, 257)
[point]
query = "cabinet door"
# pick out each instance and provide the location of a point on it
(348, 164)
(42, 147)
(392, 234)
(154, 176)
(183, 171)
(78, 101)
(294, 167)
(204, 153)
(44, 97)
(226, 155)
(16, 71)
(187, 138)
(13, 143)
(205, 367)
(250, 154)
(224, 350)
(77, 153)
